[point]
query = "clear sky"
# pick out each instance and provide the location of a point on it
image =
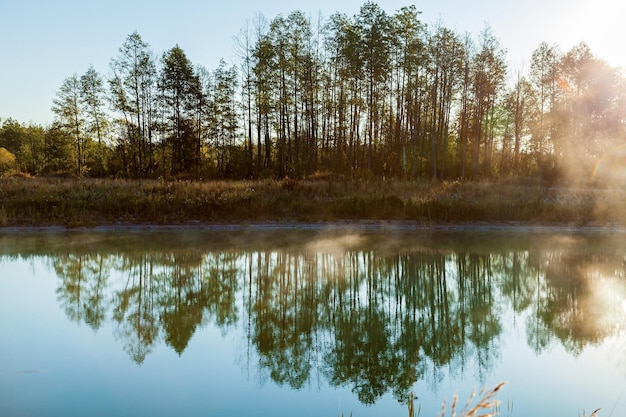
(43, 42)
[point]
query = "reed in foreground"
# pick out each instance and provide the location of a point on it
(488, 405)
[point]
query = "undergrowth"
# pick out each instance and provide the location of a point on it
(84, 202)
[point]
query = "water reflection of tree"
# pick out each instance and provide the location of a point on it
(582, 302)
(517, 282)
(221, 281)
(369, 315)
(283, 316)
(373, 321)
(82, 288)
(135, 307)
(363, 355)
(482, 315)
(181, 299)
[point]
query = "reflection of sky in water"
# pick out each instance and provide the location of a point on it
(52, 366)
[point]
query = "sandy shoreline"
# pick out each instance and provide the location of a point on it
(365, 226)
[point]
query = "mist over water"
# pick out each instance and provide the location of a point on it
(314, 322)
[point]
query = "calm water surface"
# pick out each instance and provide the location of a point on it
(310, 322)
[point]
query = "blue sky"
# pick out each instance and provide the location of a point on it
(42, 42)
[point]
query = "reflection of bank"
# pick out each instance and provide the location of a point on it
(358, 315)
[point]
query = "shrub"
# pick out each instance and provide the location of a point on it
(7, 161)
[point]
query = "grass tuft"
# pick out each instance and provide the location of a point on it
(488, 405)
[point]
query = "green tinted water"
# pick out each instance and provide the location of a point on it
(309, 322)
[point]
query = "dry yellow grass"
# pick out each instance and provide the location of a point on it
(488, 405)
(86, 202)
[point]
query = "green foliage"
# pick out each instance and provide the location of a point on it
(180, 88)
(11, 135)
(133, 96)
(7, 160)
(371, 96)
(70, 113)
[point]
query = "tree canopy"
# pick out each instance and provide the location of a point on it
(374, 94)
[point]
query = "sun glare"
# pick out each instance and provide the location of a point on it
(611, 166)
(606, 300)
(599, 25)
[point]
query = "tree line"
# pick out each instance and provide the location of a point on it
(371, 95)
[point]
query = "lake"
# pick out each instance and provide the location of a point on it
(310, 322)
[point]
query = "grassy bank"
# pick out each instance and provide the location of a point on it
(89, 202)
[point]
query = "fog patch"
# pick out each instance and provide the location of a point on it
(609, 180)
(610, 168)
(336, 245)
(603, 305)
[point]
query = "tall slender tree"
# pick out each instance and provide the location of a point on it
(225, 117)
(244, 47)
(464, 112)
(93, 101)
(265, 77)
(520, 103)
(446, 68)
(374, 26)
(133, 86)
(179, 88)
(544, 76)
(70, 113)
(410, 59)
(489, 74)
